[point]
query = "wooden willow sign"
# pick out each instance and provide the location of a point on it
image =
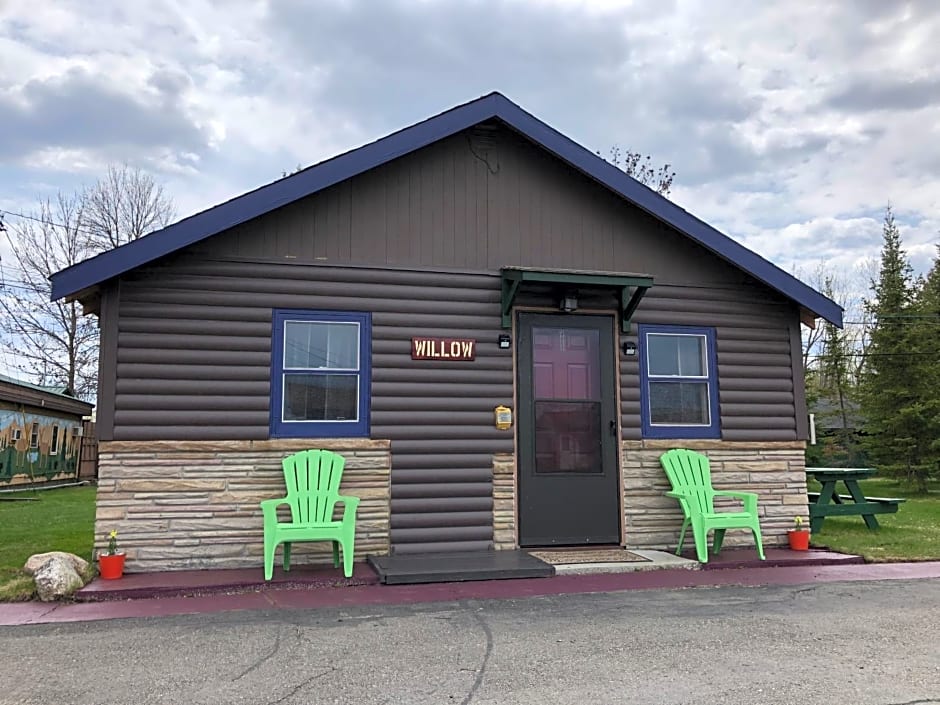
(454, 349)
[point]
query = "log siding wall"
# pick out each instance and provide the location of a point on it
(193, 363)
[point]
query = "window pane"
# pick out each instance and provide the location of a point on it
(319, 345)
(679, 403)
(662, 353)
(676, 355)
(567, 437)
(321, 398)
(691, 355)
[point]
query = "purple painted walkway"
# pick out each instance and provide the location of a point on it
(188, 583)
(283, 597)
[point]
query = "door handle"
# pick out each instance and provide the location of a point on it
(613, 428)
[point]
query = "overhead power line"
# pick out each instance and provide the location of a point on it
(871, 354)
(932, 321)
(33, 218)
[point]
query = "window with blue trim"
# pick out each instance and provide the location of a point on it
(678, 382)
(320, 374)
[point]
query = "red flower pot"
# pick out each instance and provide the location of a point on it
(799, 539)
(111, 567)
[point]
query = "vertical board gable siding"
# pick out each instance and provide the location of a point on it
(522, 208)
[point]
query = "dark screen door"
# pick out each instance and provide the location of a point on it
(568, 489)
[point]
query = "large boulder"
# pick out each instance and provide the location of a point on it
(38, 560)
(56, 578)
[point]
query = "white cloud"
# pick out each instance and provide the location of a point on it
(790, 125)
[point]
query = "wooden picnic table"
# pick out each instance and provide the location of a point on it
(828, 502)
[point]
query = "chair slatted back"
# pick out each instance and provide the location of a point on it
(689, 472)
(312, 478)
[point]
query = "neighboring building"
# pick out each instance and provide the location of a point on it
(838, 434)
(384, 302)
(833, 416)
(40, 433)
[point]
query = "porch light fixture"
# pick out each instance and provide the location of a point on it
(504, 341)
(569, 303)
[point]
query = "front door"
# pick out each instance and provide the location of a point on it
(568, 489)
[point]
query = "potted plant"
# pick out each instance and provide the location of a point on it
(798, 537)
(111, 563)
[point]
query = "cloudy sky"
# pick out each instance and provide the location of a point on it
(790, 124)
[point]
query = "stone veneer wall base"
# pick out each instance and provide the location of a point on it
(196, 504)
(775, 470)
(504, 502)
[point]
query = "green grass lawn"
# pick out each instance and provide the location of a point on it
(58, 520)
(912, 534)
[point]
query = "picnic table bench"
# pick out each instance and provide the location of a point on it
(827, 502)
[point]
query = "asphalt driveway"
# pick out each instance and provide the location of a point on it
(863, 642)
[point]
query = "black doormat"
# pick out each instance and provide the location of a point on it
(404, 569)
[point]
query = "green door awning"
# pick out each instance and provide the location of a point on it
(632, 287)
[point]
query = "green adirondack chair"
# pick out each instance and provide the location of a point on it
(312, 478)
(690, 477)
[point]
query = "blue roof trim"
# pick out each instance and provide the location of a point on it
(325, 174)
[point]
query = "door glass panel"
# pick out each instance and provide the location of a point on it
(566, 383)
(565, 364)
(567, 437)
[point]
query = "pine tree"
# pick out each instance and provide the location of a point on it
(890, 403)
(834, 381)
(926, 345)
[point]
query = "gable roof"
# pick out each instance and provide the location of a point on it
(195, 228)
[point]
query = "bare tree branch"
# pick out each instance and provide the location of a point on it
(124, 205)
(641, 168)
(54, 344)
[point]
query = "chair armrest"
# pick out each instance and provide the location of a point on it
(269, 509)
(350, 505)
(683, 498)
(748, 498)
